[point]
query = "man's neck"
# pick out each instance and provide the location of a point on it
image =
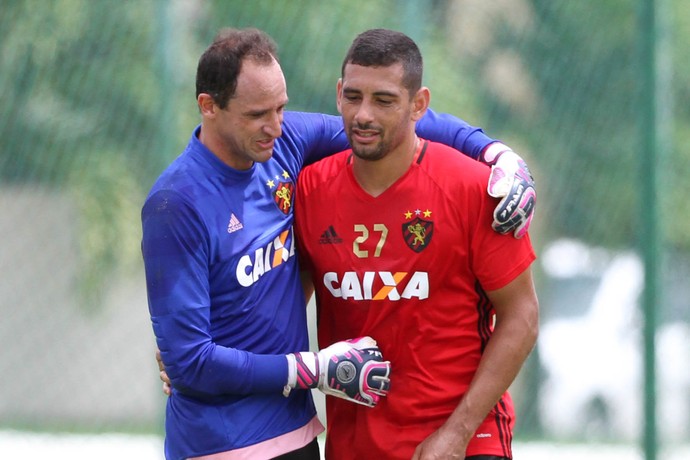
(375, 177)
(212, 142)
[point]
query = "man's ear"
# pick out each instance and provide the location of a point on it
(207, 105)
(420, 102)
(338, 96)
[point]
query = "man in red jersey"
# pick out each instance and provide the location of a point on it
(396, 235)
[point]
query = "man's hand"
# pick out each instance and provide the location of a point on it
(167, 387)
(351, 369)
(355, 370)
(441, 444)
(510, 179)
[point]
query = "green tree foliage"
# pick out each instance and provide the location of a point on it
(82, 118)
(79, 83)
(555, 74)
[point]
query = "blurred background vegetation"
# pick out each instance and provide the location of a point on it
(98, 97)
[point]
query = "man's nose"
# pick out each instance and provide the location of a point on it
(274, 126)
(364, 114)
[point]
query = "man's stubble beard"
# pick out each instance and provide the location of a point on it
(370, 154)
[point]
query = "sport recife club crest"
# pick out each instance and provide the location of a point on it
(283, 196)
(417, 232)
(282, 192)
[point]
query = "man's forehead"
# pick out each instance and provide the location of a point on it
(261, 85)
(373, 78)
(392, 69)
(252, 103)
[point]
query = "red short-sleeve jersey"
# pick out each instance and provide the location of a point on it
(410, 268)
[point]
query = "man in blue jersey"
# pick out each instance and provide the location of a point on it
(225, 297)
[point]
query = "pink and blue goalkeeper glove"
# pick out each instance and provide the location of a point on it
(352, 369)
(511, 180)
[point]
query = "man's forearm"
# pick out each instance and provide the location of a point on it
(503, 357)
(513, 338)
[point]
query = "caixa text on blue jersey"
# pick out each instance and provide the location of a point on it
(377, 285)
(251, 267)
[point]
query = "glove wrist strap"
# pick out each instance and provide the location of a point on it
(292, 375)
(491, 153)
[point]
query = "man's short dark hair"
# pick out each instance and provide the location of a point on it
(220, 65)
(383, 48)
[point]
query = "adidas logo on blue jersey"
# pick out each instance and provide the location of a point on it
(234, 224)
(330, 237)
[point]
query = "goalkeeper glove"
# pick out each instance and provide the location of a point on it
(352, 369)
(511, 180)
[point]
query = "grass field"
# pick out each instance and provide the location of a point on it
(31, 446)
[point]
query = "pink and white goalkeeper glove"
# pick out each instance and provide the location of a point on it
(511, 180)
(352, 369)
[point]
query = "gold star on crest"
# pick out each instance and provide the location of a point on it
(427, 213)
(270, 183)
(408, 215)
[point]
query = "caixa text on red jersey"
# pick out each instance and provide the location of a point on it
(377, 285)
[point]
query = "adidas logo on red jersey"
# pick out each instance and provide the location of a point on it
(330, 237)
